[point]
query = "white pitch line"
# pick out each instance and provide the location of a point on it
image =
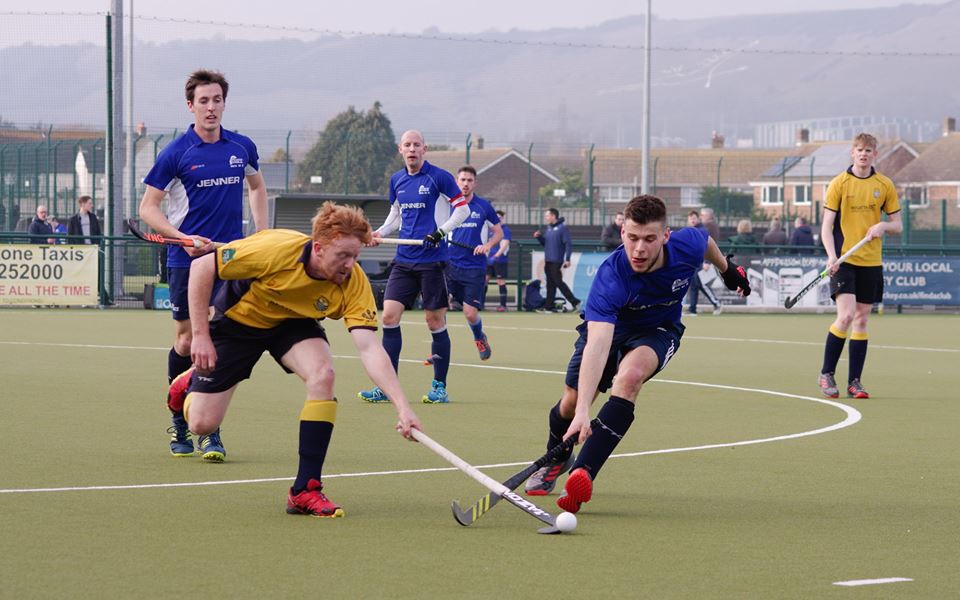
(853, 416)
(858, 582)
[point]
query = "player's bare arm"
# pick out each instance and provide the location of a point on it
(599, 339)
(258, 200)
(152, 215)
(377, 365)
(826, 237)
(202, 276)
(494, 240)
(893, 225)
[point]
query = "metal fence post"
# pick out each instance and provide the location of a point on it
(590, 159)
(467, 144)
(286, 161)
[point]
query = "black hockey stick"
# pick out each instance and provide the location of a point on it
(481, 506)
(491, 484)
(791, 302)
(403, 242)
(156, 238)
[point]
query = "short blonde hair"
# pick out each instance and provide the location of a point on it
(333, 221)
(744, 226)
(865, 139)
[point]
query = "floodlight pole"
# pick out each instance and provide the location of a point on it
(645, 142)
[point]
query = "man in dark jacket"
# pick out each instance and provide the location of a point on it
(610, 236)
(39, 229)
(802, 237)
(84, 223)
(557, 248)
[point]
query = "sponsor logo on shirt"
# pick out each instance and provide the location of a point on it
(679, 284)
(424, 190)
(369, 315)
(227, 255)
(219, 181)
(322, 304)
(413, 205)
(195, 167)
(235, 161)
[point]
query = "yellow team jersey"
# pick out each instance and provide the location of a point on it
(858, 204)
(266, 283)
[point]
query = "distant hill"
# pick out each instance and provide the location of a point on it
(551, 86)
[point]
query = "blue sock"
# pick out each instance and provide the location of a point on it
(477, 329)
(176, 364)
(615, 417)
(441, 349)
(393, 343)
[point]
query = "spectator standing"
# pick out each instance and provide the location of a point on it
(84, 223)
(802, 237)
(557, 249)
(39, 228)
(744, 236)
(610, 236)
(775, 236)
(709, 221)
(696, 284)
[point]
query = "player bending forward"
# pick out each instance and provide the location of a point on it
(631, 329)
(278, 283)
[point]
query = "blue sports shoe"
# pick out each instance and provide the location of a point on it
(437, 393)
(180, 442)
(211, 447)
(374, 395)
(483, 347)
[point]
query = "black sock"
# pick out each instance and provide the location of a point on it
(440, 347)
(858, 356)
(176, 364)
(503, 295)
(316, 428)
(558, 427)
(614, 418)
(832, 351)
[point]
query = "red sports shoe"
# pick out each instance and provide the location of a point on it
(312, 501)
(178, 390)
(855, 390)
(577, 490)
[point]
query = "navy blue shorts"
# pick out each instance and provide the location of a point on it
(497, 270)
(865, 282)
(664, 340)
(177, 279)
(466, 285)
(239, 347)
(409, 279)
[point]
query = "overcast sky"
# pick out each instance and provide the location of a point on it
(394, 16)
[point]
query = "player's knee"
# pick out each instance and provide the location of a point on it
(320, 383)
(843, 322)
(568, 402)
(202, 424)
(181, 344)
(630, 379)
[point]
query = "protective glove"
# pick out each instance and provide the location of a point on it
(433, 240)
(735, 277)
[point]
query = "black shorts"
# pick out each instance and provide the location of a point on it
(409, 279)
(865, 282)
(497, 270)
(663, 340)
(239, 347)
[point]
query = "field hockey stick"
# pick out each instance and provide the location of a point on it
(491, 484)
(791, 302)
(403, 242)
(156, 238)
(481, 506)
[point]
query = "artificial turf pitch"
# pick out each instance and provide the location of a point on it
(83, 397)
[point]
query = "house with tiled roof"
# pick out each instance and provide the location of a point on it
(929, 180)
(504, 175)
(797, 185)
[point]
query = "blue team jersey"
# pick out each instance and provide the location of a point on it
(473, 232)
(425, 200)
(633, 300)
(205, 186)
(507, 236)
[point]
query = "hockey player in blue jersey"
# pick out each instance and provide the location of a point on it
(631, 328)
(425, 204)
(202, 174)
(467, 269)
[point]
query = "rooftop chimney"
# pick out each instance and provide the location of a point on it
(716, 140)
(803, 136)
(949, 126)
